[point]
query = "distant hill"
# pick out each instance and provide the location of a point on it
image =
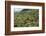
(26, 10)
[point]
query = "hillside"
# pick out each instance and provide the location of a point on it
(26, 18)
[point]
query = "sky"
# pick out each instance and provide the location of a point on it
(17, 9)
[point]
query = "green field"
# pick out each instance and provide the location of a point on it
(26, 18)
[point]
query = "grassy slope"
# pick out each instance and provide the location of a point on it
(26, 19)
